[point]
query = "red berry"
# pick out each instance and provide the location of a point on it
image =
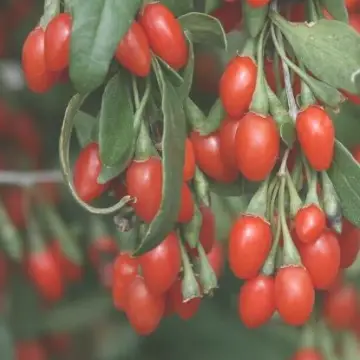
(133, 51)
(57, 42)
(307, 354)
(249, 246)
(315, 130)
(294, 295)
(166, 37)
(310, 221)
(144, 310)
(322, 259)
(349, 242)
(87, 168)
(257, 146)
(161, 265)
(256, 303)
(237, 85)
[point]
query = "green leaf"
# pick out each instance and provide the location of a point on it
(116, 133)
(288, 133)
(179, 7)
(194, 115)
(84, 125)
(337, 9)
(345, 174)
(173, 145)
(254, 18)
(188, 73)
(347, 124)
(211, 5)
(10, 239)
(204, 29)
(216, 116)
(110, 172)
(322, 46)
(98, 26)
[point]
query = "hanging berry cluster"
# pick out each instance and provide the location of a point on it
(162, 155)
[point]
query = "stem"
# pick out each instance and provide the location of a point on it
(283, 166)
(293, 110)
(274, 183)
(291, 256)
(276, 67)
(207, 275)
(51, 9)
(190, 286)
(260, 103)
(295, 200)
(311, 175)
(305, 77)
(28, 178)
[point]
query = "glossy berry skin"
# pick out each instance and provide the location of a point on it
(38, 77)
(125, 272)
(310, 221)
(208, 157)
(45, 274)
(340, 307)
(189, 162)
(349, 242)
(227, 134)
(294, 295)
(307, 354)
(133, 51)
(144, 310)
(315, 130)
(161, 265)
(237, 85)
(144, 183)
(165, 34)
(87, 168)
(322, 259)
(185, 310)
(57, 42)
(257, 3)
(257, 146)
(249, 246)
(256, 302)
(71, 272)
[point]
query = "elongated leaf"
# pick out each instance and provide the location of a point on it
(179, 7)
(204, 29)
(337, 9)
(84, 127)
(173, 143)
(216, 116)
(322, 46)
(345, 174)
(110, 172)
(195, 116)
(98, 26)
(116, 121)
(347, 123)
(254, 18)
(188, 72)
(211, 5)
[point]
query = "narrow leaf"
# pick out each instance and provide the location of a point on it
(330, 49)
(110, 172)
(204, 29)
(98, 26)
(179, 7)
(345, 174)
(84, 127)
(254, 18)
(194, 115)
(173, 143)
(116, 133)
(188, 72)
(216, 116)
(337, 9)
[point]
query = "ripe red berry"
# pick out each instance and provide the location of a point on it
(237, 85)
(249, 246)
(307, 354)
(310, 221)
(256, 302)
(57, 42)
(315, 130)
(294, 295)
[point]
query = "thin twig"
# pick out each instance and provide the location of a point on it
(28, 178)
